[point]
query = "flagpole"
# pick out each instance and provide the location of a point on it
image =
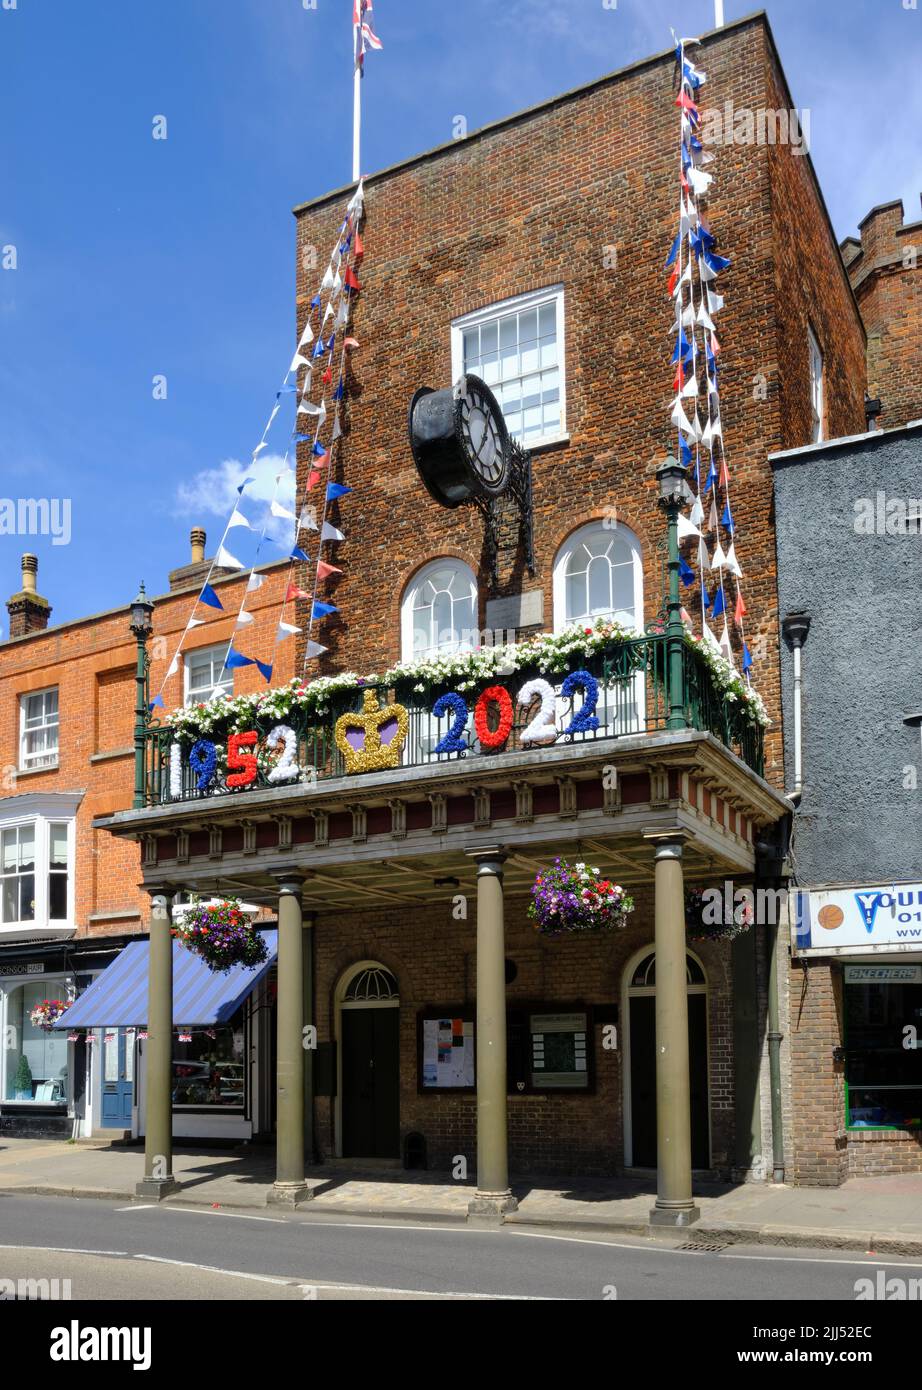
(357, 107)
(718, 14)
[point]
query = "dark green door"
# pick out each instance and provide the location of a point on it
(371, 1083)
(643, 1080)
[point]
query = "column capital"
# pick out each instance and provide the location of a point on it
(668, 842)
(291, 882)
(489, 859)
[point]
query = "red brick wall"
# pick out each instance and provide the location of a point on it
(92, 663)
(818, 1139)
(887, 275)
(433, 958)
(535, 203)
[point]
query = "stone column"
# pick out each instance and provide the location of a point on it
(290, 1187)
(158, 1179)
(493, 1197)
(309, 1053)
(674, 1203)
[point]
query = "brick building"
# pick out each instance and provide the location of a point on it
(71, 897)
(502, 243)
(885, 268)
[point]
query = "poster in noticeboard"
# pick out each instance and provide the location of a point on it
(448, 1053)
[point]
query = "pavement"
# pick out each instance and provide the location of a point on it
(881, 1215)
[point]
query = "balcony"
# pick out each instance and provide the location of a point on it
(635, 696)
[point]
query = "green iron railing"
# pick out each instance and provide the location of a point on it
(634, 698)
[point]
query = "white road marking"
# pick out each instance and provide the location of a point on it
(147, 1206)
(67, 1250)
(232, 1215)
(215, 1269)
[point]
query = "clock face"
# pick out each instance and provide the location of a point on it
(484, 436)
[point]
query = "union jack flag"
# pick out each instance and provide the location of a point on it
(365, 36)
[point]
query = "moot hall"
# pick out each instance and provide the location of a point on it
(500, 640)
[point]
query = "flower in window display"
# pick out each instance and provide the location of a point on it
(373, 740)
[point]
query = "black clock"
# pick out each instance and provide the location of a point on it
(460, 442)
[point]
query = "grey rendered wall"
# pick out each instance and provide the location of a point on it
(861, 813)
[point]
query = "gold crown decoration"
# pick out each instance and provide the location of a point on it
(373, 740)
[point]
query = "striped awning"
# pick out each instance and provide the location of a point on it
(118, 999)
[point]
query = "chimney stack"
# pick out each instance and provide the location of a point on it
(28, 611)
(197, 571)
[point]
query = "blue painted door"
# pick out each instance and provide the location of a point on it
(117, 1077)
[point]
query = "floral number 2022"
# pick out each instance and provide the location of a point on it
(541, 730)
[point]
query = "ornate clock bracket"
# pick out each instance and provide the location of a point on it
(519, 489)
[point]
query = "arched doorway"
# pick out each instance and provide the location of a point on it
(639, 1013)
(367, 1007)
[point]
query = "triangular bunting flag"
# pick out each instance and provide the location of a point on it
(209, 596)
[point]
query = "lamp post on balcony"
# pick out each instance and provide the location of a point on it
(671, 478)
(142, 627)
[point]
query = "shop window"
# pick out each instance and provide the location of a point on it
(883, 1061)
(517, 348)
(38, 729)
(36, 1060)
(205, 675)
(209, 1066)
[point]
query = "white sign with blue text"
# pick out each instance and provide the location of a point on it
(858, 921)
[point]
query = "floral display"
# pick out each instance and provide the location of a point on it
(709, 918)
(222, 934)
(575, 898)
(494, 738)
(549, 655)
(373, 740)
(46, 1014)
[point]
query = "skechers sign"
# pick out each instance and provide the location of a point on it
(858, 921)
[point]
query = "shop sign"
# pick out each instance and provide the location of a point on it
(24, 968)
(858, 921)
(883, 974)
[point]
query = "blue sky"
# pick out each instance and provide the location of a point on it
(138, 258)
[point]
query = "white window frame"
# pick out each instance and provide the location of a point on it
(37, 762)
(562, 558)
(215, 652)
(817, 389)
(408, 602)
(519, 304)
(41, 812)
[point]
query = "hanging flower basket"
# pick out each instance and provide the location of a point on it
(46, 1014)
(567, 899)
(221, 933)
(707, 919)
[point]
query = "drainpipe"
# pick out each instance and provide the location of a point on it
(795, 628)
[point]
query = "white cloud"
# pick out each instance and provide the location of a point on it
(213, 493)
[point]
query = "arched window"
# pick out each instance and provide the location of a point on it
(598, 573)
(439, 611)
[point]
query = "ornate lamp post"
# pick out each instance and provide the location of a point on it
(142, 627)
(671, 478)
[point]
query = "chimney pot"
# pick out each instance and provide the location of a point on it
(29, 572)
(198, 539)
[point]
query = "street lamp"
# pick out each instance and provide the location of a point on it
(672, 489)
(141, 612)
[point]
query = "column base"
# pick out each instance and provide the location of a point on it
(674, 1216)
(491, 1207)
(288, 1194)
(158, 1188)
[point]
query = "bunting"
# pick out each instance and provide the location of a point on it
(695, 265)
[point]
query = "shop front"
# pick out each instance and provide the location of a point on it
(49, 1079)
(219, 1061)
(862, 947)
